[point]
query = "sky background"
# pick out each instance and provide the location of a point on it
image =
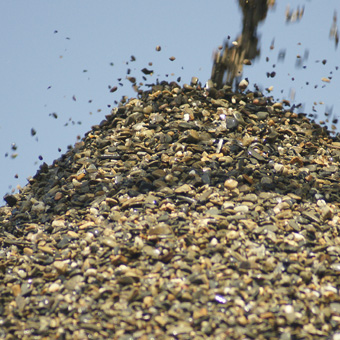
(59, 60)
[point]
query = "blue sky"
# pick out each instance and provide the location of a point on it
(56, 61)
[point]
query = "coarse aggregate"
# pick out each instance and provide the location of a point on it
(188, 213)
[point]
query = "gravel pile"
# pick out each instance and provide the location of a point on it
(188, 213)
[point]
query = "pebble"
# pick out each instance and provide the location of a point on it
(230, 184)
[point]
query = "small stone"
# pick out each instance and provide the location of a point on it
(38, 207)
(243, 84)
(54, 287)
(194, 81)
(147, 109)
(261, 115)
(11, 200)
(162, 321)
(326, 213)
(184, 189)
(61, 266)
(232, 235)
(58, 224)
(230, 184)
(90, 272)
(241, 209)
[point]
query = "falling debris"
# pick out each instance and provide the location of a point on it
(131, 79)
(146, 71)
(54, 115)
(229, 61)
(158, 48)
(294, 15)
(282, 55)
(33, 132)
(334, 32)
(172, 58)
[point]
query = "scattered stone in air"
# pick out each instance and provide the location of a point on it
(334, 31)
(158, 48)
(74, 98)
(113, 89)
(271, 74)
(172, 58)
(282, 55)
(146, 71)
(131, 79)
(54, 115)
(294, 15)
(326, 80)
(33, 132)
